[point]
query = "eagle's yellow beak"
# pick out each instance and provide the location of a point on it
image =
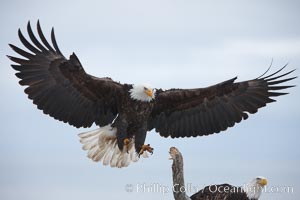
(149, 92)
(263, 182)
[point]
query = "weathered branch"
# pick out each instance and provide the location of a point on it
(178, 177)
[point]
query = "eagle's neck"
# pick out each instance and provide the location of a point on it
(253, 190)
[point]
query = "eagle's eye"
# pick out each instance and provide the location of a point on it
(145, 88)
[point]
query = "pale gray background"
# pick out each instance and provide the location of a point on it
(166, 43)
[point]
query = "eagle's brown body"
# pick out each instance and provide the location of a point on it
(132, 120)
(221, 192)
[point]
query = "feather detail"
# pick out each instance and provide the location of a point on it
(101, 146)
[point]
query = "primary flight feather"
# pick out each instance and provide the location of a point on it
(126, 112)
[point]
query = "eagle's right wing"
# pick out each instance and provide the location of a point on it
(60, 87)
(204, 111)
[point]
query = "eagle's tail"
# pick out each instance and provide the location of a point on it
(102, 146)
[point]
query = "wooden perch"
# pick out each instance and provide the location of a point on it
(216, 192)
(178, 177)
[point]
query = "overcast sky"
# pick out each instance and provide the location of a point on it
(165, 43)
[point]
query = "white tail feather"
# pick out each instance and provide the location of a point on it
(101, 145)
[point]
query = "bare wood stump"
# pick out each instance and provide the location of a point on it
(178, 177)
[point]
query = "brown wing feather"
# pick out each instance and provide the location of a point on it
(204, 111)
(60, 87)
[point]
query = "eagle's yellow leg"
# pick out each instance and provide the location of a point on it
(146, 148)
(126, 142)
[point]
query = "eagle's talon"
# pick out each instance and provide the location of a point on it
(126, 142)
(147, 148)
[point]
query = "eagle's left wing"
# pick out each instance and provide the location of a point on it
(204, 111)
(61, 87)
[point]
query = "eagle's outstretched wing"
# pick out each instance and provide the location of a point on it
(204, 111)
(60, 87)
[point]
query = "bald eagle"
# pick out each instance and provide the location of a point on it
(126, 112)
(249, 191)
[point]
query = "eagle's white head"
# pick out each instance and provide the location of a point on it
(254, 188)
(142, 93)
